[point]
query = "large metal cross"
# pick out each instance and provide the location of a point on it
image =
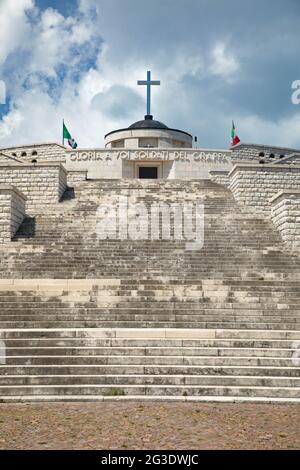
(148, 82)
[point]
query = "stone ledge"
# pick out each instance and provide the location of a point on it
(284, 194)
(56, 284)
(145, 398)
(256, 146)
(263, 168)
(164, 333)
(54, 164)
(6, 188)
(219, 172)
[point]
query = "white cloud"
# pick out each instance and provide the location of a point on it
(54, 37)
(87, 5)
(10, 125)
(43, 89)
(284, 132)
(223, 63)
(14, 27)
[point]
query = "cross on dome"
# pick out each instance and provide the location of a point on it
(148, 83)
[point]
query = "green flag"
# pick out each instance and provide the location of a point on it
(66, 133)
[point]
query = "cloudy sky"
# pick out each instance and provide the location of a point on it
(217, 60)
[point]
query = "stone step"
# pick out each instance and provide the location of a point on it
(138, 318)
(200, 380)
(234, 325)
(129, 369)
(152, 334)
(263, 286)
(75, 351)
(241, 291)
(152, 390)
(153, 361)
(78, 342)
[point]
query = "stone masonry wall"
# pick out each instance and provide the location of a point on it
(76, 177)
(42, 183)
(255, 185)
(220, 177)
(40, 152)
(62, 182)
(12, 212)
(285, 214)
(250, 152)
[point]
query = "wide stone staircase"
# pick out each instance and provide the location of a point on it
(87, 318)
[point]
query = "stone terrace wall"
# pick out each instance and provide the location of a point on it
(250, 152)
(40, 152)
(42, 183)
(285, 214)
(76, 177)
(220, 177)
(255, 185)
(12, 212)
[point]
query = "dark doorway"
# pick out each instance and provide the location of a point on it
(149, 172)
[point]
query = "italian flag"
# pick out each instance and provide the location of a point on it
(67, 135)
(234, 137)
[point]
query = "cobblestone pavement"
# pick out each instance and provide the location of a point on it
(154, 425)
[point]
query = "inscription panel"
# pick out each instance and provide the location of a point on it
(188, 156)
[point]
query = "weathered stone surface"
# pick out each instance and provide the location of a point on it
(12, 212)
(42, 184)
(48, 152)
(268, 153)
(285, 213)
(220, 177)
(255, 185)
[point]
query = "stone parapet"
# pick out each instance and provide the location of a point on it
(41, 152)
(220, 177)
(76, 177)
(42, 183)
(255, 185)
(257, 152)
(285, 214)
(12, 211)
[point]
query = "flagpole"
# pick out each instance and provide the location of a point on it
(63, 140)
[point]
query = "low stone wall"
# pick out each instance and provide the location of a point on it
(220, 177)
(76, 177)
(7, 159)
(255, 185)
(293, 159)
(285, 214)
(251, 152)
(43, 183)
(40, 152)
(12, 212)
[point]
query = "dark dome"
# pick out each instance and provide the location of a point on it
(148, 123)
